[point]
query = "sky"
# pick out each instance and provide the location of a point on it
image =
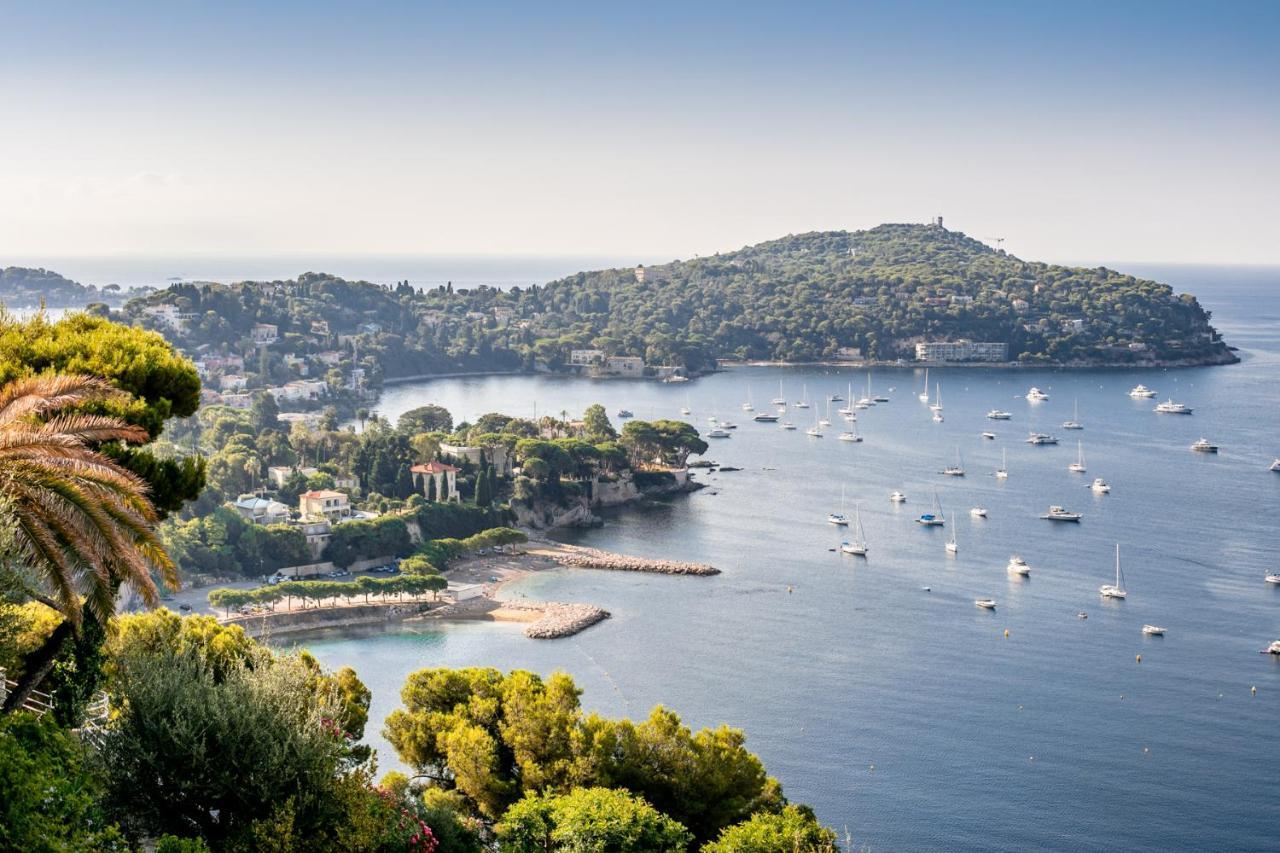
(642, 131)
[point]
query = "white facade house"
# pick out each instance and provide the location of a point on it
(262, 510)
(324, 503)
(585, 357)
(264, 334)
(962, 351)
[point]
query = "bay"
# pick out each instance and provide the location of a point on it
(905, 716)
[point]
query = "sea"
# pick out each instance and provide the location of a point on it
(873, 688)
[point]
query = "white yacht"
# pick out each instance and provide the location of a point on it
(1002, 473)
(1074, 423)
(935, 518)
(836, 398)
(937, 417)
(923, 396)
(1203, 445)
(787, 425)
(747, 407)
(1077, 467)
(858, 544)
(765, 417)
(827, 420)
(1153, 630)
(898, 498)
(814, 431)
(803, 402)
(1101, 486)
(717, 432)
(978, 512)
(1115, 590)
(850, 435)
(999, 415)
(936, 405)
(1142, 391)
(1041, 438)
(956, 470)
(728, 425)
(1275, 466)
(989, 436)
(1036, 395)
(1274, 577)
(781, 399)
(952, 546)
(847, 408)
(1057, 513)
(1168, 407)
(985, 603)
(1274, 648)
(1018, 566)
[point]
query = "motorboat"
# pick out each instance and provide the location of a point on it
(989, 436)
(1082, 615)
(1142, 391)
(1036, 395)
(999, 415)
(838, 518)
(717, 432)
(787, 425)
(850, 436)
(1275, 466)
(625, 413)
(1115, 590)
(684, 410)
(1057, 513)
(1100, 486)
(898, 498)
(728, 425)
(1077, 467)
(1168, 407)
(836, 398)
(1203, 445)
(879, 398)
(937, 417)
(1153, 630)
(1018, 566)
(1274, 577)
(1041, 438)
(978, 512)
(985, 603)
(766, 417)
(1274, 648)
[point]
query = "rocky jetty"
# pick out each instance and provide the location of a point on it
(591, 558)
(564, 620)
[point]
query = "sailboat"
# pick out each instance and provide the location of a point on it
(851, 434)
(923, 396)
(1074, 423)
(858, 544)
(815, 430)
(1002, 473)
(956, 470)
(803, 402)
(936, 405)
(827, 420)
(1117, 589)
(684, 410)
(935, 518)
(747, 407)
(847, 408)
(952, 547)
(1077, 467)
(781, 399)
(839, 518)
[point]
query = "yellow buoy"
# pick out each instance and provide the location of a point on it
(1006, 633)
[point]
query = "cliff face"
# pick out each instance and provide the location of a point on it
(542, 515)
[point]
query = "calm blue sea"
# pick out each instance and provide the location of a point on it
(907, 716)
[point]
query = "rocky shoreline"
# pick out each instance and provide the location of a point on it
(564, 620)
(578, 557)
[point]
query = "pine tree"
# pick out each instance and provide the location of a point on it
(483, 495)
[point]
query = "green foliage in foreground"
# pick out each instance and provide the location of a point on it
(589, 819)
(496, 738)
(792, 830)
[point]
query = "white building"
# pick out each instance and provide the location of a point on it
(264, 334)
(324, 503)
(262, 510)
(585, 357)
(962, 351)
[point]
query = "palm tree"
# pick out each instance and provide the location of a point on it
(76, 525)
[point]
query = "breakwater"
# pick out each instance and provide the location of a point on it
(591, 558)
(564, 620)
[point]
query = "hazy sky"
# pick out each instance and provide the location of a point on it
(1143, 131)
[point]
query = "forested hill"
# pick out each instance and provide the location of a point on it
(804, 297)
(808, 297)
(24, 287)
